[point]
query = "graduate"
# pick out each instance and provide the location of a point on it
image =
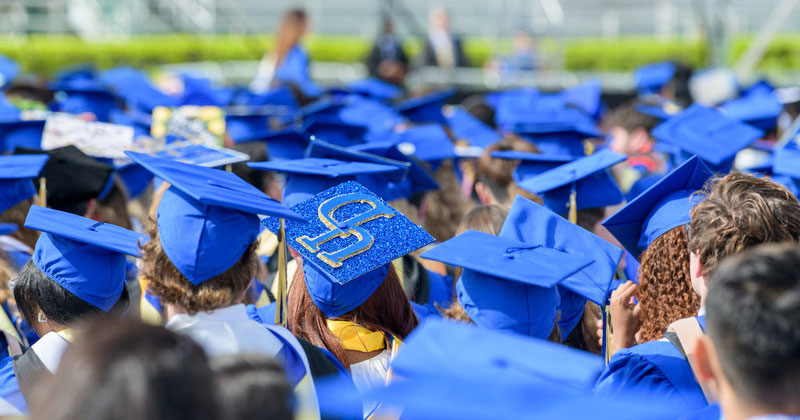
(495, 183)
(77, 271)
(738, 212)
(201, 260)
(346, 295)
(653, 230)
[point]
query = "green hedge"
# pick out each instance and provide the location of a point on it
(46, 54)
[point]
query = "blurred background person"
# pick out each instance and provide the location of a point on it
(252, 386)
(288, 62)
(387, 60)
(524, 56)
(129, 370)
(442, 48)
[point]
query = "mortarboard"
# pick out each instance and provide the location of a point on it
(21, 133)
(651, 78)
(322, 149)
(559, 130)
(531, 164)
(377, 116)
(310, 176)
(587, 97)
(375, 88)
(507, 284)
(759, 109)
(16, 173)
(72, 176)
(199, 91)
(348, 244)
(323, 107)
(285, 144)
(8, 70)
(208, 217)
(425, 108)
(533, 224)
(660, 208)
(85, 95)
(786, 168)
(134, 87)
(333, 130)
(8, 228)
(419, 177)
(587, 178)
(84, 256)
(467, 127)
(707, 133)
(658, 107)
(247, 127)
(427, 142)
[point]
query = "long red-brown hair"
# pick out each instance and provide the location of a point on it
(387, 310)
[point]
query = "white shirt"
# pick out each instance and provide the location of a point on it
(370, 374)
(50, 349)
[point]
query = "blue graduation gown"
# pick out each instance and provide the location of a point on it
(9, 387)
(294, 69)
(653, 369)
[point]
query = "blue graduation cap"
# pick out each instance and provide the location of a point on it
(86, 71)
(284, 144)
(786, 168)
(587, 178)
(85, 95)
(9, 69)
(507, 284)
(660, 108)
(662, 207)
(651, 78)
(16, 173)
(425, 108)
(587, 96)
(247, 127)
(280, 97)
(428, 142)
(8, 228)
(759, 109)
(469, 128)
(83, 256)
(333, 130)
(134, 118)
(375, 88)
(533, 224)
(531, 164)
(514, 106)
(419, 178)
(21, 133)
(707, 133)
(199, 91)
(135, 88)
(378, 117)
(348, 244)
(323, 107)
(559, 131)
(322, 149)
(309, 176)
(207, 218)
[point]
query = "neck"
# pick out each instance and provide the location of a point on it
(735, 408)
(172, 309)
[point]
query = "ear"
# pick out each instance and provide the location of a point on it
(484, 194)
(91, 210)
(698, 265)
(703, 353)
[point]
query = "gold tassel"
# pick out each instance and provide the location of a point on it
(573, 207)
(588, 147)
(607, 332)
(281, 295)
(42, 192)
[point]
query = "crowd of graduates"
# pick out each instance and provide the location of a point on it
(393, 254)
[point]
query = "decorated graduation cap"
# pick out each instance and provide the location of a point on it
(85, 95)
(534, 225)
(425, 108)
(507, 284)
(584, 182)
(333, 130)
(651, 78)
(72, 177)
(531, 164)
(207, 218)
(419, 178)
(660, 208)
(21, 133)
(83, 256)
(16, 173)
(559, 130)
(759, 109)
(708, 133)
(348, 244)
(310, 176)
(466, 127)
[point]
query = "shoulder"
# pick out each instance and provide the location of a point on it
(9, 386)
(655, 368)
(263, 315)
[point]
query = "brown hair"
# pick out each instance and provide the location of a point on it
(627, 117)
(665, 286)
(289, 33)
(387, 310)
(444, 207)
(17, 214)
(114, 208)
(739, 212)
(171, 286)
(496, 173)
(488, 219)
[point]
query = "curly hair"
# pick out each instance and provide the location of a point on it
(171, 286)
(739, 212)
(665, 286)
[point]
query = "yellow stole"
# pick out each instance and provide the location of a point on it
(356, 337)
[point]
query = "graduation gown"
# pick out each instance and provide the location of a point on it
(17, 373)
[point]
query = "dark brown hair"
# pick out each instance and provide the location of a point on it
(444, 208)
(488, 219)
(171, 286)
(496, 173)
(253, 386)
(129, 370)
(739, 212)
(387, 310)
(114, 208)
(665, 287)
(627, 117)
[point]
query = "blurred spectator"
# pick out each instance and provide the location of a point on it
(386, 60)
(288, 61)
(442, 48)
(524, 56)
(253, 386)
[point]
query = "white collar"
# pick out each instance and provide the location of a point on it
(230, 313)
(9, 243)
(50, 349)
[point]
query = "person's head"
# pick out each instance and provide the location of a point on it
(751, 353)
(630, 129)
(16, 214)
(129, 370)
(387, 26)
(438, 19)
(291, 30)
(387, 310)
(113, 208)
(665, 287)
(739, 212)
(252, 386)
(495, 181)
(173, 288)
(442, 209)
(486, 218)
